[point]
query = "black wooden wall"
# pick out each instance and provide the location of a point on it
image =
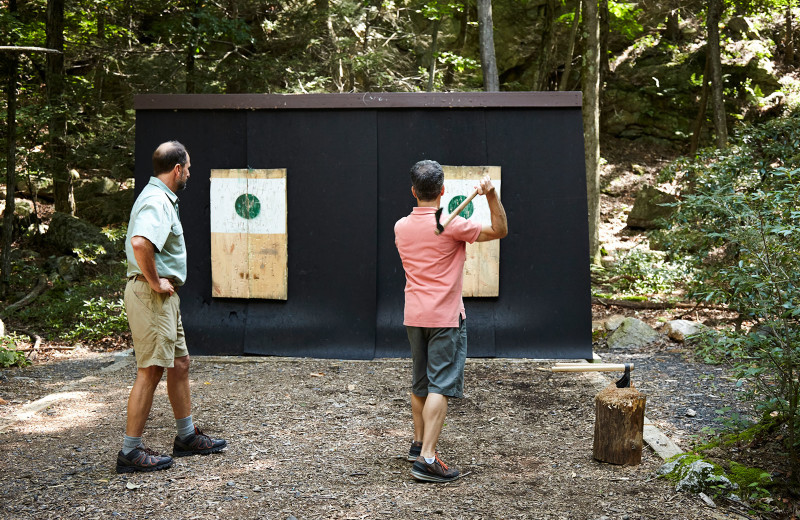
(347, 158)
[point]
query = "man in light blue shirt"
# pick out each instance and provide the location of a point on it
(156, 254)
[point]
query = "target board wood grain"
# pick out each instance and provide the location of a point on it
(482, 267)
(249, 243)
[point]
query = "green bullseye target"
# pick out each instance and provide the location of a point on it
(454, 203)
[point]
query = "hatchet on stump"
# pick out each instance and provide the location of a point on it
(624, 382)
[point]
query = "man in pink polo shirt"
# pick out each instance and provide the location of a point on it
(434, 310)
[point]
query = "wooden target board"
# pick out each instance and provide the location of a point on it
(482, 267)
(249, 245)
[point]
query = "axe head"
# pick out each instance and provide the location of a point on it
(625, 380)
(439, 226)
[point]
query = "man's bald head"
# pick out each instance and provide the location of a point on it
(167, 155)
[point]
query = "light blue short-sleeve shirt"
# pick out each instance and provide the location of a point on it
(155, 217)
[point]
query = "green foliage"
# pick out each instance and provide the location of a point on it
(9, 355)
(438, 9)
(85, 312)
(743, 202)
(624, 19)
(99, 319)
(640, 271)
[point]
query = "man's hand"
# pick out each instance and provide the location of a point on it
(144, 252)
(164, 286)
(485, 186)
(499, 226)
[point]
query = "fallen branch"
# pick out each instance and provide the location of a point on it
(614, 279)
(41, 285)
(16, 48)
(639, 304)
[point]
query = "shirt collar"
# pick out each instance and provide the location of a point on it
(423, 210)
(158, 183)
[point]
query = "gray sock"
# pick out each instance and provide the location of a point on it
(185, 427)
(130, 443)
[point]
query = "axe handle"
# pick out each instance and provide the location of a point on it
(590, 367)
(458, 210)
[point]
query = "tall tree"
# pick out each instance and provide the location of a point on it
(591, 122)
(701, 113)
(62, 180)
(715, 8)
(605, 31)
(11, 163)
(673, 26)
(788, 44)
(434, 53)
(573, 35)
(546, 48)
(191, 49)
(491, 80)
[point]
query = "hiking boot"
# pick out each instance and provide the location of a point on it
(142, 459)
(436, 472)
(197, 444)
(414, 451)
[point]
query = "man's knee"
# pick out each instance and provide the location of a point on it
(150, 376)
(181, 365)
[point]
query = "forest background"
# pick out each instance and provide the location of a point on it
(696, 98)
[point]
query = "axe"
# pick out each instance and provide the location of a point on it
(624, 382)
(459, 209)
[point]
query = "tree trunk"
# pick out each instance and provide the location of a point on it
(491, 80)
(591, 123)
(573, 35)
(788, 44)
(461, 41)
(11, 162)
(715, 8)
(546, 49)
(701, 113)
(605, 66)
(62, 180)
(673, 32)
(434, 50)
(100, 69)
(191, 83)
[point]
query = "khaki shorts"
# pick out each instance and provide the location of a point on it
(156, 326)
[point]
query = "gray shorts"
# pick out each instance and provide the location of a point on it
(438, 356)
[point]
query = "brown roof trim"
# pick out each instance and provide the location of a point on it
(356, 100)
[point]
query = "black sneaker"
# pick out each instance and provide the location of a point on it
(142, 459)
(436, 472)
(197, 444)
(414, 451)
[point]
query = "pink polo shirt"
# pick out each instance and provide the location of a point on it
(434, 266)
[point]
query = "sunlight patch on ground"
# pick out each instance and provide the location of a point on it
(49, 416)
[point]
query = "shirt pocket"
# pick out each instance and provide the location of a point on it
(177, 239)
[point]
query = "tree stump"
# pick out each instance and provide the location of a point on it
(618, 426)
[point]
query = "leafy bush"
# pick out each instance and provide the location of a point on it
(743, 205)
(80, 312)
(9, 355)
(100, 318)
(643, 272)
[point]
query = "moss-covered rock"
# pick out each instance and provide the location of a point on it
(694, 474)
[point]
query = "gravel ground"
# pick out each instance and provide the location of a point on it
(327, 439)
(684, 397)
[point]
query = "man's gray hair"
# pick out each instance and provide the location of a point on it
(427, 177)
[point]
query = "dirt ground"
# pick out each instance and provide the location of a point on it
(320, 439)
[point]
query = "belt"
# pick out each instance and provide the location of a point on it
(141, 278)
